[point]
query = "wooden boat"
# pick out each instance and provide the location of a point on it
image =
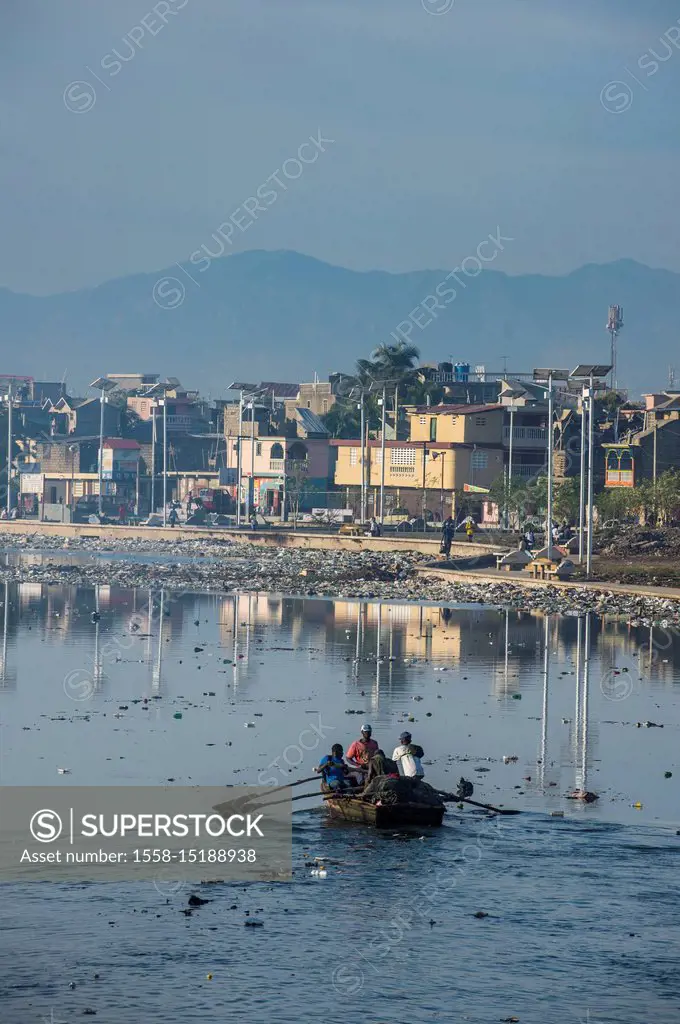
(400, 815)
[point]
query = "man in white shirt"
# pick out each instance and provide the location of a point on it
(408, 755)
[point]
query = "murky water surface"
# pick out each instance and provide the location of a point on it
(582, 910)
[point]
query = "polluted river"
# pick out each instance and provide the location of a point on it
(564, 912)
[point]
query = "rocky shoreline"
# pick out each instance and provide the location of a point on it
(223, 566)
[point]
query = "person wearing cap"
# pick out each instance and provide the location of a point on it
(362, 750)
(408, 755)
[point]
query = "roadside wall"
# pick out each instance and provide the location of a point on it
(262, 538)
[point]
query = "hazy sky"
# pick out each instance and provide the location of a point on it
(444, 127)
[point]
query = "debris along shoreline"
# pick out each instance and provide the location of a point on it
(222, 566)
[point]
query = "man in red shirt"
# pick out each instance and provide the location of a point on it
(362, 750)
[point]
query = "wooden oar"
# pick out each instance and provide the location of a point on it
(451, 797)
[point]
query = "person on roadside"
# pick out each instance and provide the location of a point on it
(530, 539)
(374, 527)
(469, 528)
(333, 770)
(448, 530)
(408, 757)
(173, 518)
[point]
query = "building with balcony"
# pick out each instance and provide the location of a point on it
(645, 453)
(277, 468)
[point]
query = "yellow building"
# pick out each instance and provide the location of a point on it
(449, 447)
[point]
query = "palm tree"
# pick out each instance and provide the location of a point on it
(394, 361)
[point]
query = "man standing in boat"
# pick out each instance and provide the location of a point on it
(362, 750)
(408, 755)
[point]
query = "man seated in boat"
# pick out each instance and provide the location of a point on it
(334, 772)
(380, 764)
(408, 755)
(361, 751)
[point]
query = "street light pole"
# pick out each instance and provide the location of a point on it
(582, 478)
(102, 399)
(382, 457)
(9, 448)
(251, 483)
(591, 413)
(550, 461)
(164, 402)
(424, 484)
(362, 420)
(239, 471)
(153, 458)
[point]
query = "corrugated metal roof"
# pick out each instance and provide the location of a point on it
(311, 422)
(120, 442)
(456, 410)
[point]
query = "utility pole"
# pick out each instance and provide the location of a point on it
(382, 457)
(614, 325)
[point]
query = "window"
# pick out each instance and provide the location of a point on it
(353, 456)
(309, 405)
(403, 456)
(377, 456)
(324, 406)
(479, 460)
(276, 451)
(423, 420)
(433, 428)
(258, 448)
(480, 421)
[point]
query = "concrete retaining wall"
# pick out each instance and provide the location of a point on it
(262, 538)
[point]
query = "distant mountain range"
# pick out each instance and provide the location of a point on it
(282, 316)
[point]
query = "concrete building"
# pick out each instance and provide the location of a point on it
(449, 447)
(318, 397)
(279, 467)
(646, 453)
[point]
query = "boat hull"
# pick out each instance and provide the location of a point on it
(403, 815)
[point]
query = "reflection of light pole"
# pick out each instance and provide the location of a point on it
(161, 618)
(5, 617)
(582, 767)
(544, 713)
